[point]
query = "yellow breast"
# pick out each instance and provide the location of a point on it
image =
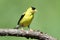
(26, 20)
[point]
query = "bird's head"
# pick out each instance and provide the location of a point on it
(31, 9)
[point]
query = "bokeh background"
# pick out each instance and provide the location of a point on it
(47, 18)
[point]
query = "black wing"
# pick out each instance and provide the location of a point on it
(20, 18)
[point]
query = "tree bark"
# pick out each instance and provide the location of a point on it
(25, 33)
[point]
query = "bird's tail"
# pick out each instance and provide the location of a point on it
(17, 27)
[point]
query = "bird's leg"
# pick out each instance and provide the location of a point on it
(29, 28)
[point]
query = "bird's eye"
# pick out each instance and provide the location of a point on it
(33, 8)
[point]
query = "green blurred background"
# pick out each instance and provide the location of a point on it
(47, 18)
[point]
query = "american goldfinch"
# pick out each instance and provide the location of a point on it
(26, 18)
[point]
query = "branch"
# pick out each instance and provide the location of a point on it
(24, 33)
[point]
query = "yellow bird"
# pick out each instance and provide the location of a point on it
(26, 18)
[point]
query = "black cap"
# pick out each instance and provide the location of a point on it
(33, 8)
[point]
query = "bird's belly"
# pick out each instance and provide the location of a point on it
(26, 21)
